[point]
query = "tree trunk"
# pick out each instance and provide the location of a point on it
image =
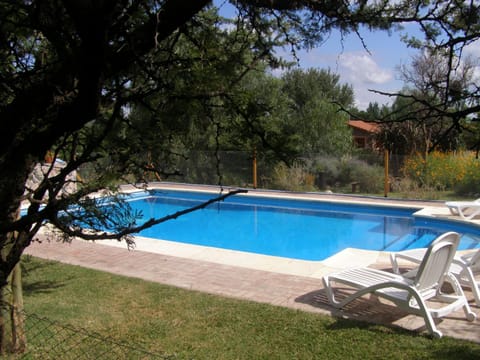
(11, 311)
(19, 340)
(12, 338)
(4, 314)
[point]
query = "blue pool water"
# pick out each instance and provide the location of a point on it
(298, 229)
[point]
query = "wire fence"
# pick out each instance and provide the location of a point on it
(47, 339)
(362, 171)
(312, 172)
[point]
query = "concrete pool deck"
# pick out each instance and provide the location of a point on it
(278, 281)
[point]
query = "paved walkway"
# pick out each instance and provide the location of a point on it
(298, 292)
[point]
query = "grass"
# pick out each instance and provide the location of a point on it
(192, 325)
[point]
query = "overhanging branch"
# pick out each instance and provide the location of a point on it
(86, 235)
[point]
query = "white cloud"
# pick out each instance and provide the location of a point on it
(361, 71)
(357, 68)
(360, 68)
(473, 49)
(363, 97)
(473, 52)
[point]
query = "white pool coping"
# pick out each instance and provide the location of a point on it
(315, 269)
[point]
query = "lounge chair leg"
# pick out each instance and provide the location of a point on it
(330, 293)
(427, 317)
(472, 283)
(469, 314)
(476, 295)
(393, 261)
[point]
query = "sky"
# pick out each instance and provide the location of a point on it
(364, 70)
(369, 65)
(374, 67)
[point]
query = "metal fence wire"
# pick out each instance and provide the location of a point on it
(47, 339)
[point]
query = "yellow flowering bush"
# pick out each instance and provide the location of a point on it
(458, 171)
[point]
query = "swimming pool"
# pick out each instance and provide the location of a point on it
(290, 228)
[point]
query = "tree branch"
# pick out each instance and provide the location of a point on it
(86, 235)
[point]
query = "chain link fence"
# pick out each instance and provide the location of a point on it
(47, 339)
(366, 172)
(346, 174)
(363, 172)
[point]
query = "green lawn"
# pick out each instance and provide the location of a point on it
(191, 325)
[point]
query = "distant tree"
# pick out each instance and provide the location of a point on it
(261, 113)
(412, 127)
(403, 137)
(443, 95)
(210, 97)
(314, 96)
(373, 112)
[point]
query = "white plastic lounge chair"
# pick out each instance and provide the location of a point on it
(410, 294)
(465, 209)
(464, 267)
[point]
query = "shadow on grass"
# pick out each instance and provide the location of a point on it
(366, 309)
(440, 349)
(41, 287)
(349, 324)
(30, 286)
(369, 307)
(453, 351)
(29, 264)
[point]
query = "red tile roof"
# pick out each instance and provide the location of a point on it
(363, 125)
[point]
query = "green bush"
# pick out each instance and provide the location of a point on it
(339, 173)
(406, 188)
(371, 178)
(469, 185)
(293, 178)
(459, 171)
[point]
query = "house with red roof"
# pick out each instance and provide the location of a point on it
(364, 134)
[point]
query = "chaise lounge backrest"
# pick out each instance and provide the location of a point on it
(436, 262)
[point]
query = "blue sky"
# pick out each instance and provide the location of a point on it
(377, 67)
(372, 69)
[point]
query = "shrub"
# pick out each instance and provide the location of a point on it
(457, 171)
(294, 178)
(341, 172)
(371, 178)
(409, 189)
(468, 179)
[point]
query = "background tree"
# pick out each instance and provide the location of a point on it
(314, 96)
(201, 93)
(260, 113)
(223, 101)
(411, 127)
(443, 96)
